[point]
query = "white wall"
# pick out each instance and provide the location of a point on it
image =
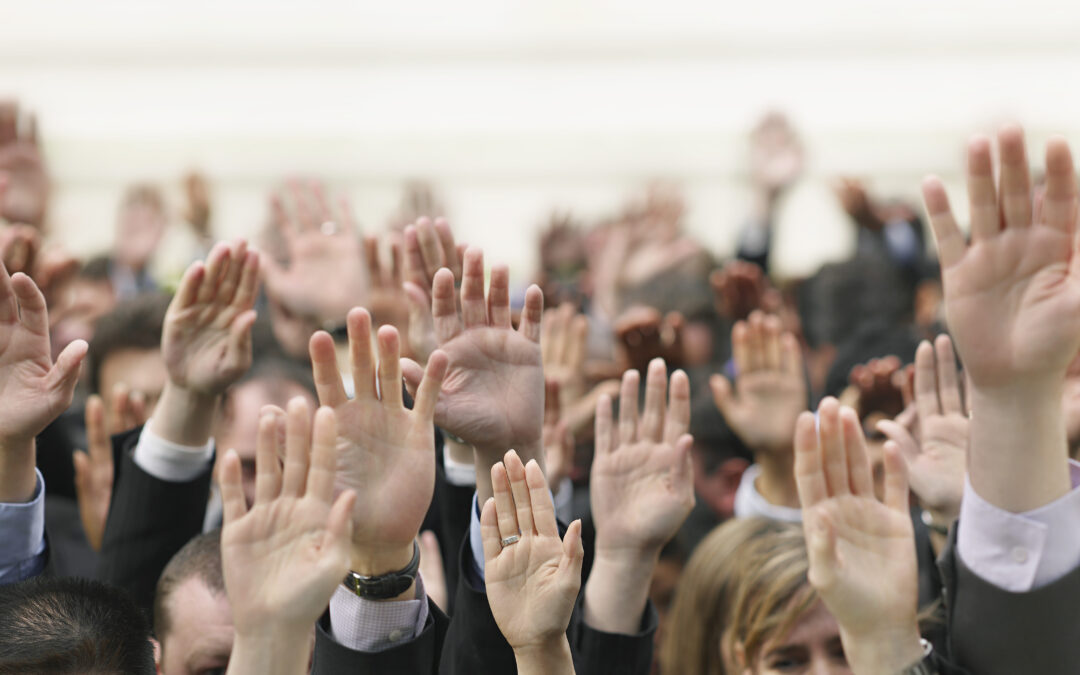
(513, 108)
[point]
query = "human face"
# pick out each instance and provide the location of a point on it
(200, 637)
(240, 424)
(812, 647)
(142, 370)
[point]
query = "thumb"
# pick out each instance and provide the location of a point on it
(722, 394)
(64, 374)
(573, 552)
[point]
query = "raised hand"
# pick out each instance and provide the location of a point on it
(1012, 302)
(564, 346)
(27, 197)
(206, 341)
(532, 576)
(94, 467)
(493, 394)
(388, 302)
(285, 556)
(386, 452)
(559, 447)
(934, 441)
(862, 551)
(326, 275)
(642, 489)
(740, 288)
(33, 389)
(876, 386)
(429, 247)
(770, 387)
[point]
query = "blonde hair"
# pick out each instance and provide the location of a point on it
(737, 588)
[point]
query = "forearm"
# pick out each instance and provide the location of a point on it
(270, 652)
(882, 653)
(551, 659)
(17, 478)
(1018, 460)
(618, 591)
(487, 457)
(183, 416)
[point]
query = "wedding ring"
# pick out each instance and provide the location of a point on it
(329, 228)
(512, 539)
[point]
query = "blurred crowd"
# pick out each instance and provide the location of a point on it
(332, 450)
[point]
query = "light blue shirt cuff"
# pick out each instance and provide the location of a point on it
(370, 626)
(476, 541)
(22, 537)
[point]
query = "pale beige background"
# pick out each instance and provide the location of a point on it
(515, 107)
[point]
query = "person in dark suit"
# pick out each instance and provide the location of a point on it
(163, 470)
(1012, 302)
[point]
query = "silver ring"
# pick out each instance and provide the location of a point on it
(329, 228)
(512, 539)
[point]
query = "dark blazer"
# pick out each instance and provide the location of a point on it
(419, 656)
(149, 521)
(474, 643)
(992, 631)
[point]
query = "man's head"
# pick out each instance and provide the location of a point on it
(67, 625)
(127, 348)
(271, 381)
(192, 616)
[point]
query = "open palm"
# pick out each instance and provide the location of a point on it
(1012, 297)
(642, 481)
(33, 390)
(284, 557)
(206, 339)
(532, 583)
(386, 453)
(853, 540)
(493, 394)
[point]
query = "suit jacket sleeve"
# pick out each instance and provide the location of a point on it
(149, 521)
(993, 631)
(599, 653)
(419, 656)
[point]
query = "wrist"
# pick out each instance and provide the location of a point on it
(883, 652)
(18, 480)
(184, 416)
(377, 560)
(1018, 459)
(543, 655)
(617, 590)
(270, 647)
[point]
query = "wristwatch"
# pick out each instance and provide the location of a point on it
(925, 666)
(385, 586)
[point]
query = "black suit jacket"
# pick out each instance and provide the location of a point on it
(474, 643)
(992, 631)
(149, 521)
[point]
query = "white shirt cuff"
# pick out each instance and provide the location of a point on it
(168, 461)
(1020, 552)
(370, 626)
(458, 473)
(749, 503)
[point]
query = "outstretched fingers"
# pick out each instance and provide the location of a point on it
(950, 240)
(809, 467)
(1059, 205)
(324, 369)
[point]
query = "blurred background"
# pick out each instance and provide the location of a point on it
(513, 109)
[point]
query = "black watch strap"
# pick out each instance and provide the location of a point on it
(385, 586)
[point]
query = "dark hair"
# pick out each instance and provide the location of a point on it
(133, 324)
(70, 625)
(97, 268)
(201, 558)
